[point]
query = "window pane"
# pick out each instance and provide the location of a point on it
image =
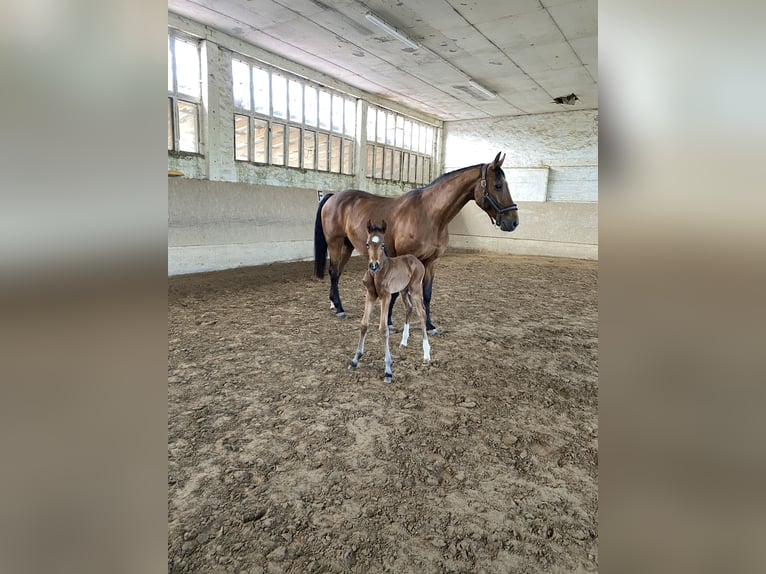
(337, 114)
(420, 170)
(260, 140)
(293, 146)
(396, 166)
(387, 161)
(422, 145)
(278, 96)
(413, 161)
(381, 135)
(296, 101)
(187, 126)
(311, 106)
(261, 91)
(170, 123)
(323, 143)
(241, 137)
(277, 144)
(371, 124)
(324, 110)
(390, 129)
(429, 140)
(309, 149)
(370, 157)
(187, 68)
(240, 74)
(399, 131)
(170, 67)
(405, 166)
(415, 136)
(335, 154)
(378, 170)
(426, 170)
(407, 134)
(348, 162)
(350, 118)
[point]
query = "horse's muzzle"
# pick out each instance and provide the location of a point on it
(509, 224)
(374, 266)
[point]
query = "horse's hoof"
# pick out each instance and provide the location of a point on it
(351, 367)
(388, 378)
(341, 315)
(434, 332)
(402, 346)
(392, 329)
(426, 361)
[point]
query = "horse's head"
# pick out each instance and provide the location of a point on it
(376, 246)
(492, 195)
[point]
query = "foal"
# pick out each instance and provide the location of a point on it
(385, 276)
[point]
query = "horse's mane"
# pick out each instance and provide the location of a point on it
(450, 174)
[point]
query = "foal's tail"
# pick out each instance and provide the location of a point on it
(320, 243)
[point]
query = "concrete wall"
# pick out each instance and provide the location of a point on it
(221, 225)
(552, 168)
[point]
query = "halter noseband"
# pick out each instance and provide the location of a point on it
(486, 198)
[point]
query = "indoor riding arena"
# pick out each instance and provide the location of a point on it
(280, 457)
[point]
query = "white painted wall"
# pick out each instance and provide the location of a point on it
(552, 168)
(215, 225)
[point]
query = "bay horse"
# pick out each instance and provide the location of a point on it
(385, 276)
(418, 222)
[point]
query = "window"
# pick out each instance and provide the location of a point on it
(281, 119)
(399, 148)
(184, 93)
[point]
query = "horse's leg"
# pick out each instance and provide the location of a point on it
(340, 253)
(428, 283)
(421, 310)
(385, 302)
(369, 303)
(407, 298)
(391, 327)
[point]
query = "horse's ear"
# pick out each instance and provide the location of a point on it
(369, 226)
(383, 226)
(498, 160)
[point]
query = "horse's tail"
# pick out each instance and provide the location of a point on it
(320, 243)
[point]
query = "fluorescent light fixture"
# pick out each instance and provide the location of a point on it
(383, 25)
(482, 89)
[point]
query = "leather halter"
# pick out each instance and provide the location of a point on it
(486, 198)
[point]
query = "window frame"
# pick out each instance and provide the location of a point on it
(305, 129)
(415, 159)
(175, 96)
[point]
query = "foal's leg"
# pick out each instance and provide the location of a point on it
(407, 298)
(385, 302)
(369, 303)
(421, 310)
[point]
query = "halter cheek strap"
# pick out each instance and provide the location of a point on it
(486, 198)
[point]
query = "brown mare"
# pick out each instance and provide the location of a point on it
(417, 222)
(386, 276)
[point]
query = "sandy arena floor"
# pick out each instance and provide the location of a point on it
(283, 460)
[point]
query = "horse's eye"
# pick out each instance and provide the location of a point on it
(498, 186)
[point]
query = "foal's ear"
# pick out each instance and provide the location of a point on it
(498, 160)
(369, 226)
(383, 226)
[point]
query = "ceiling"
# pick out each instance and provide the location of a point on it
(527, 52)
